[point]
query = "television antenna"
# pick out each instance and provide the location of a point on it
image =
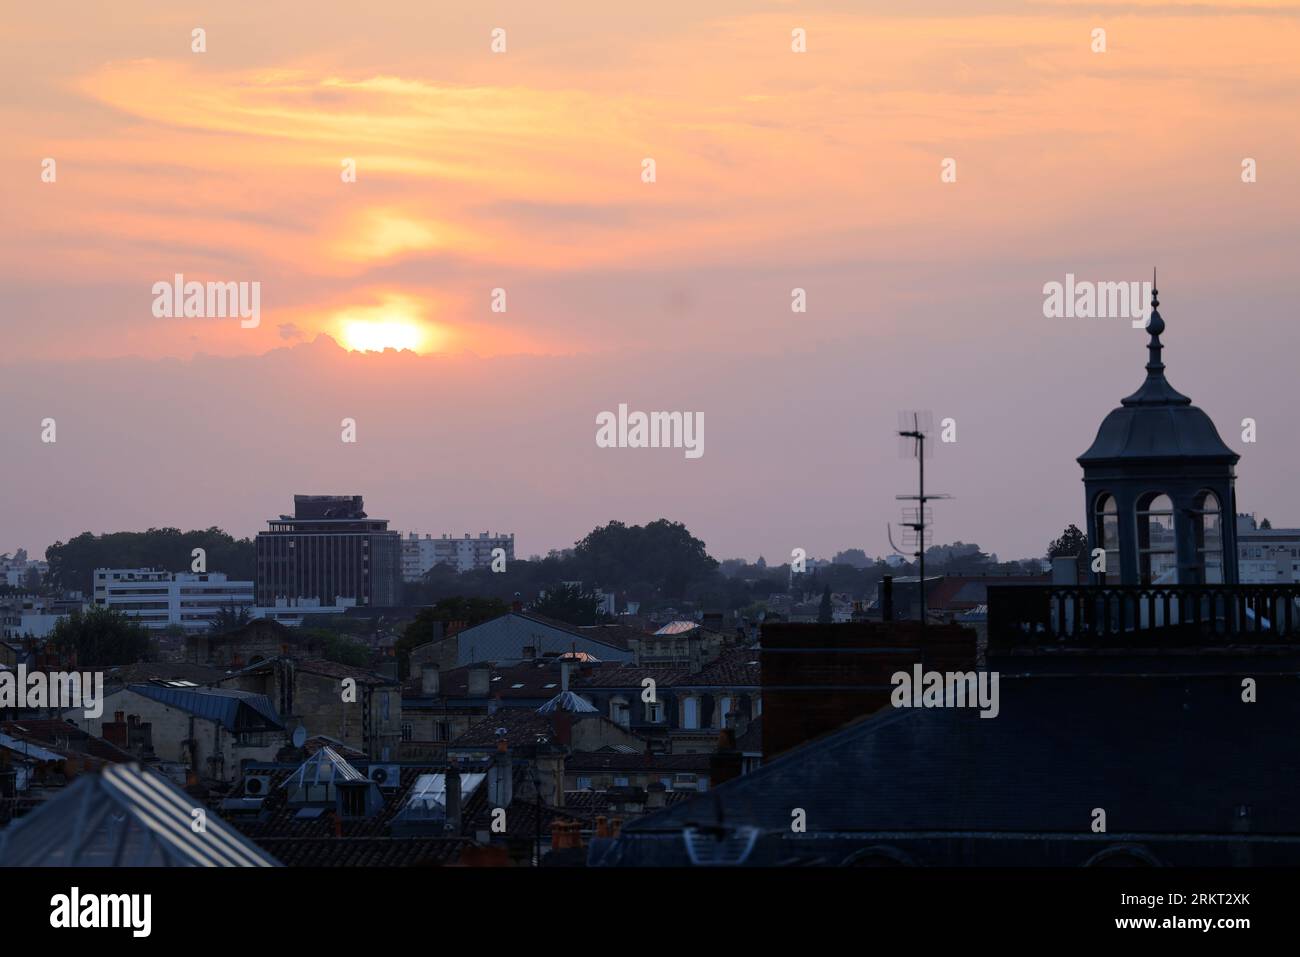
(914, 440)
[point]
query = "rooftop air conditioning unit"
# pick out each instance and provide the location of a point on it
(386, 775)
(257, 785)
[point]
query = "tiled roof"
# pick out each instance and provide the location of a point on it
(734, 668)
(535, 680)
(322, 667)
(523, 726)
(590, 803)
(621, 761)
(619, 635)
(58, 735)
(365, 851)
(162, 671)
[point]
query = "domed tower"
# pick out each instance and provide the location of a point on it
(1159, 486)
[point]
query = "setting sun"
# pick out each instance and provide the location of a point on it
(360, 335)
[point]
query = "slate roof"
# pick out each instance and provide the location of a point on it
(124, 817)
(235, 710)
(1168, 754)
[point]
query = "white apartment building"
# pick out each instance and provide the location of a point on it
(463, 554)
(157, 599)
(31, 616)
(1267, 555)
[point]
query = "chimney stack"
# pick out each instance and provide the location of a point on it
(479, 676)
(565, 667)
(725, 762)
(429, 679)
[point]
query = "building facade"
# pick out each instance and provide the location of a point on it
(466, 554)
(328, 550)
(158, 599)
(1267, 556)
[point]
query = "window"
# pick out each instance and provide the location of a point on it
(691, 713)
(618, 712)
(1106, 535)
(407, 731)
(1209, 538)
(724, 709)
(620, 780)
(584, 783)
(1157, 560)
(654, 711)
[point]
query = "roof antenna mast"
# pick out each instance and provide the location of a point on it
(913, 433)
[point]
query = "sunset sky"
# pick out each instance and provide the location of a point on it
(522, 171)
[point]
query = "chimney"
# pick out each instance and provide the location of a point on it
(516, 605)
(725, 762)
(479, 676)
(656, 796)
(697, 657)
(501, 777)
(562, 725)
(429, 679)
(566, 666)
(453, 798)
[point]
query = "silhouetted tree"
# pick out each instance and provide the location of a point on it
(101, 636)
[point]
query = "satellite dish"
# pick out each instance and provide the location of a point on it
(299, 736)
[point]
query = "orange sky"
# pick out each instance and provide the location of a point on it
(522, 171)
(478, 171)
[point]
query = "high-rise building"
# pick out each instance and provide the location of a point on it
(463, 554)
(329, 550)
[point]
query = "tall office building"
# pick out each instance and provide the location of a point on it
(327, 550)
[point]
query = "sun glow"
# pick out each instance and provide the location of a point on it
(362, 335)
(394, 322)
